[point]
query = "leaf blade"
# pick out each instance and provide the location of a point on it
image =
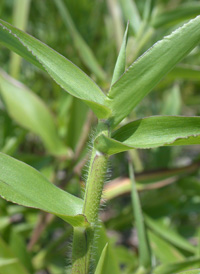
(177, 267)
(121, 59)
(163, 250)
(152, 132)
(169, 235)
(144, 248)
(22, 184)
(146, 72)
(63, 71)
(131, 14)
(29, 111)
(101, 262)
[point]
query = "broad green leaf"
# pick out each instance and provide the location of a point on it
(22, 184)
(121, 60)
(83, 49)
(8, 262)
(176, 15)
(169, 235)
(20, 18)
(29, 111)
(100, 266)
(146, 72)
(131, 14)
(178, 267)
(194, 271)
(144, 248)
(63, 71)
(152, 132)
(163, 250)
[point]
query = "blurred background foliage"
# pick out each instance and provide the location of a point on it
(89, 33)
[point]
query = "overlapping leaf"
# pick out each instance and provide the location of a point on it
(29, 111)
(64, 72)
(146, 72)
(152, 132)
(21, 184)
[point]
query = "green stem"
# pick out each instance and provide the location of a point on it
(83, 241)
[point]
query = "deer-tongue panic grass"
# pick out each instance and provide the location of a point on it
(23, 185)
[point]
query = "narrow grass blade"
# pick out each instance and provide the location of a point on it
(111, 264)
(84, 51)
(131, 14)
(152, 132)
(29, 111)
(178, 267)
(146, 72)
(194, 271)
(144, 249)
(163, 250)
(172, 102)
(169, 235)
(186, 72)
(22, 184)
(176, 15)
(121, 60)
(100, 266)
(147, 10)
(64, 72)
(117, 21)
(20, 18)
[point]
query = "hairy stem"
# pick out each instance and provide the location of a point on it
(84, 237)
